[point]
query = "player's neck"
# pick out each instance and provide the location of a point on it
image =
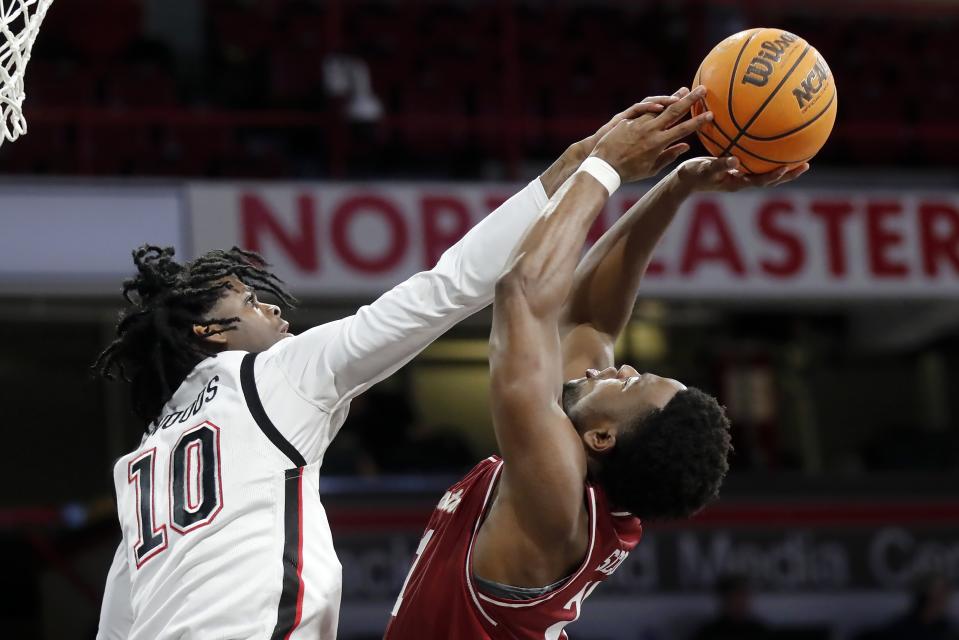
(594, 467)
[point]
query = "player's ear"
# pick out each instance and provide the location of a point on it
(210, 333)
(601, 439)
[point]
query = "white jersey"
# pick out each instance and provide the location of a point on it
(224, 534)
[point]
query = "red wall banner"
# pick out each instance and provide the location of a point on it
(355, 239)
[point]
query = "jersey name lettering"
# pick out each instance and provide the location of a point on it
(205, 396)
(612, 563)
(450, 501)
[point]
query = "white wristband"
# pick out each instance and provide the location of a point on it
(602, 171)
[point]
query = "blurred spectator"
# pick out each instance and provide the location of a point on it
(735, 619)
(926, 619)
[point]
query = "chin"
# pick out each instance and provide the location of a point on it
(272, 340)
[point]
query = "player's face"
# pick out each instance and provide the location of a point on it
(260, 325)
(615, 396)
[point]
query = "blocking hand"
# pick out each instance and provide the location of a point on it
(640, 147)
(649, 105)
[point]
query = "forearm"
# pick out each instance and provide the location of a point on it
(339, 360)
(468, 270)
(608, 278)
(474, 263)
(547, 257)
(564, 166)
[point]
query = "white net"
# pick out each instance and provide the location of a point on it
(19, 24)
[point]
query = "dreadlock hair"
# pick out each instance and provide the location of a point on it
(156, 346)
(670, 463)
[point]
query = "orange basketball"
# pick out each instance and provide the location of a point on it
(773, 98)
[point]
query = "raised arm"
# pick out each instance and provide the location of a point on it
(334, 362)
(542, 485)
(607, 279)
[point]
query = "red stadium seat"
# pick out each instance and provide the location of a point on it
(432, 121)
(239, 31)
(459, 76)
(296, 76)
(144, 85)
(102, 29)
(195, 149)
(114, 149)
(60, 84)
(46, 149)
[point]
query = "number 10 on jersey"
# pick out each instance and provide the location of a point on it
(195, 490)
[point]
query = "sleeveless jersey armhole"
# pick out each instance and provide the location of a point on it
(526, 599)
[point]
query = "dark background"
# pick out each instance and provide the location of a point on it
(829, 417)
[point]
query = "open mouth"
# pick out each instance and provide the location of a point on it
(285, 327)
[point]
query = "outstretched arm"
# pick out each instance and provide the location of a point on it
(334, 362)
(607, 280)
(541, 449)
(542, 486)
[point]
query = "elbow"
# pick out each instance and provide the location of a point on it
(524, 277)
(528, 287)
(511, 284)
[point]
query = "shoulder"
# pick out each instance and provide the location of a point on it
(309, 360)
(225, 361)
(485, 467)
(200, 386)
(312, 338)
(482, 477)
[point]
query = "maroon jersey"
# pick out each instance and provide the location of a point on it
(440, 598)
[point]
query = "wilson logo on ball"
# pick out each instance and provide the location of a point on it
(812, 84)
(771, 51)
(754, 81)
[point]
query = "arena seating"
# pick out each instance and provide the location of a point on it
(463, 81)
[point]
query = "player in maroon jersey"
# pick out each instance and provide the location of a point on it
(514, 549)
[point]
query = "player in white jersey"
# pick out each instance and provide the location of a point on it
(224, 535)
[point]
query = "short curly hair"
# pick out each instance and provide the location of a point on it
(671, 462)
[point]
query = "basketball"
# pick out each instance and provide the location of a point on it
(773, 98)
(413, 319)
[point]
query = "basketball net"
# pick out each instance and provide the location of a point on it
(19, 24)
